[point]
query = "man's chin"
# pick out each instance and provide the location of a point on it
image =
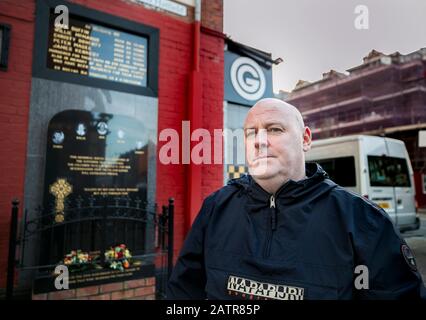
(262, 172)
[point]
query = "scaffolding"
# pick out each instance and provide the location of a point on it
(386, 95)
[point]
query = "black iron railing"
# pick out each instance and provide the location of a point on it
(92, 224)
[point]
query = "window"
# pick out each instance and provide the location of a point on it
(4, 46)
(388, 172)
(341, 170)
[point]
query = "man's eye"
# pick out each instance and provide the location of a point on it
(275, 130)
(250, 133)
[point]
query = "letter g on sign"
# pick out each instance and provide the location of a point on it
(247, 78)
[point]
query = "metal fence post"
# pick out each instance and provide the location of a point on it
(170, 237)
(12, 249)
(103, 231)
(162, 228)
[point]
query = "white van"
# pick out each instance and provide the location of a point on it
(375, 167)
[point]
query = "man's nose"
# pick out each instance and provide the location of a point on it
(261, 140)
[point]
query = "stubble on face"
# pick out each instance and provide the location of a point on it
(268, 159)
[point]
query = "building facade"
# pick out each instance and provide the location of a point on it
(385, 95)
(46, 71)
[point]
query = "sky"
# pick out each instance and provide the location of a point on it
(314, 36)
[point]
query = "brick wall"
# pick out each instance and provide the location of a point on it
(141, 289)
(175, 58)
(15, 85)
(211, 65)
(212, 14)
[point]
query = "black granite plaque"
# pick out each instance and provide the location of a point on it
(94, 155)
(46, 283)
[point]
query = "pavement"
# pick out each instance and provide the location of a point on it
(417, 242)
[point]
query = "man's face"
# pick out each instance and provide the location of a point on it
(275, 141)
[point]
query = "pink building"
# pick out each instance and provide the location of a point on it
(385, 95)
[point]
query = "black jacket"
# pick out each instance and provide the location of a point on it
(307, 247)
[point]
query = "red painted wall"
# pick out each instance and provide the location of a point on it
(175, 57)
(15, 86)
(420, 196)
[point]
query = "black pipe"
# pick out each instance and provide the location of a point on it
(162, 228)
(12, 249)
(170, 237)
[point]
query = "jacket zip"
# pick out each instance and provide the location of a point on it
(273, 226)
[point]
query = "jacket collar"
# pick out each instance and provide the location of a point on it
(289, 191)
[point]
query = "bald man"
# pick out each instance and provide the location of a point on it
(276, 140)
(286, 231)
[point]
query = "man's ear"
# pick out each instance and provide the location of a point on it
(307, 139)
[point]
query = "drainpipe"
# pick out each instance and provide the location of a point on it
(197, 28)
(195, 116)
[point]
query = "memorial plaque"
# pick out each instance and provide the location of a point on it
(45, 283)
(95, 51)
(94, 155)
